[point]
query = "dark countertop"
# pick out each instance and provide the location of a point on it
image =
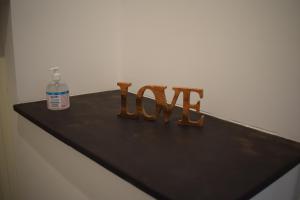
(221, 160)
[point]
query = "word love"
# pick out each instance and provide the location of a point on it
(161, 104)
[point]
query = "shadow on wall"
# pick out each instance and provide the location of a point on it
(4, 7)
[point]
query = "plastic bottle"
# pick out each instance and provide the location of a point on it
(57, 92)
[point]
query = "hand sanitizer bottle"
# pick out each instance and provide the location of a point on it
(57, 92)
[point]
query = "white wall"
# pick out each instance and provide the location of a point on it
(78, 36)
(244, 54)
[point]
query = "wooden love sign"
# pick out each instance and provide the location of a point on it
(161, 104)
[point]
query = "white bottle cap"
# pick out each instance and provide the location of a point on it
(55, 74)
